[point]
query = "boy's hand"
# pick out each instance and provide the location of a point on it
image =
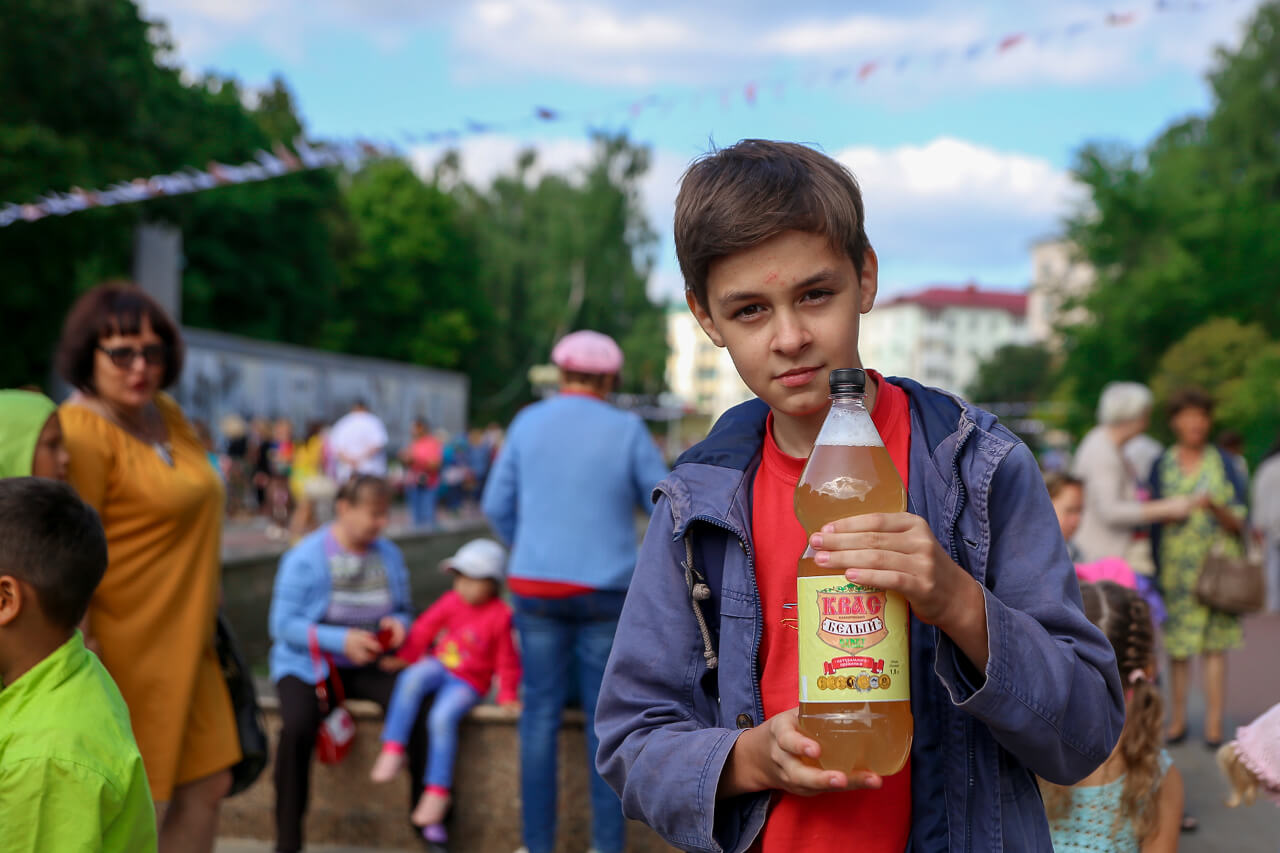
(361, 647)
(772, 757)
(897, 551)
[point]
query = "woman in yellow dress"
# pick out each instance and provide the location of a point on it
(137, 461)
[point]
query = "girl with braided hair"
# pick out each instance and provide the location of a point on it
(1133, 802)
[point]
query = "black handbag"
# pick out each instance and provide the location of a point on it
(244, 701)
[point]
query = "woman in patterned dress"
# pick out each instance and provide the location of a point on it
(1193, 466)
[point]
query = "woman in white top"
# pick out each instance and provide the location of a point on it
(1112, 509)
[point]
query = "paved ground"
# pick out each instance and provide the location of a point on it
(1253, 685)
(236, 845)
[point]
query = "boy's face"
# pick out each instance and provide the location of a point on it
(1069, 505)
(787, 310)
(51, 459)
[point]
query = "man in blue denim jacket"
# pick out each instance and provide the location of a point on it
(1008, 678)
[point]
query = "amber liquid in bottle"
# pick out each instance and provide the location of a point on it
(850, 473)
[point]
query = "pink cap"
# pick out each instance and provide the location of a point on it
(587, 352)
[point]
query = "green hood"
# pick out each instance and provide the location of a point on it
(23, 415)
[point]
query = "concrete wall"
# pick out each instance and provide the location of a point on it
(226, 373)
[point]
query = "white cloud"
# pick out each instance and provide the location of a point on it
(949, 209)
(634, 43)
(956, 207)
(603, 41)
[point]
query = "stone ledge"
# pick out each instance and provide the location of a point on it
(347, 808)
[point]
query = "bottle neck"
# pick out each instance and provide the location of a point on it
(848, 400)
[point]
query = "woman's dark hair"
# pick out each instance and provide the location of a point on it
(362, 487)
(1189, 398)
(113, 308)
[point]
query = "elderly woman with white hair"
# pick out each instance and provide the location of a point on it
(1112, 509)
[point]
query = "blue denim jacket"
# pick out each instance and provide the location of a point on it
(1050, 702)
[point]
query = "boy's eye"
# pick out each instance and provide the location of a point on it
(815, 294)
(747, 311)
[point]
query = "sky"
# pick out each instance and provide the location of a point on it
(960, 121)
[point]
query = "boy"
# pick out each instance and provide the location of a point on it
(71, 777)
(698, 727)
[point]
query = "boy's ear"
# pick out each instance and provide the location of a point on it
(870, 280)
(11, 599)
(704, 319)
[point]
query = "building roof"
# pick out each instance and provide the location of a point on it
(968, 296)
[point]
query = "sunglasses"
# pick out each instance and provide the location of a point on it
(124, 357)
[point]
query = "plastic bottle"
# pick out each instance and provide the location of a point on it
(855, 677)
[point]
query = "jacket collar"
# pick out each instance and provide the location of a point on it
(710, 479)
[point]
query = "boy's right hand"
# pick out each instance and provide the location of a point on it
(775, 756)
(361, 647)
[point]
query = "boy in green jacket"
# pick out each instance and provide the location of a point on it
(71, 777)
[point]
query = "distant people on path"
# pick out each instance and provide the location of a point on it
(71, 777)
(238, 474)
(137, 461)
(454, 652)
(312, 488)
(358, 442)
(1197, 471)
(455, 476)
(564, 492)
(423, 459)
(31, 442)
(1113, 512)
(1266, 520)
(340, 606)
(1134, 800)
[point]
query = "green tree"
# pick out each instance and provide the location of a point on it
(1240, 368)
(558, 253)
(87, 99)
(1183, 231)
(1015, 373)
(410, 291)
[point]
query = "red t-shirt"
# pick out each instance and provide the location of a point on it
(871, 821)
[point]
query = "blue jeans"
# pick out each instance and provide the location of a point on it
(454, 698)
(555, 635)
(422, 504)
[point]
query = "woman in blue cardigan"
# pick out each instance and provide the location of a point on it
(341, 597)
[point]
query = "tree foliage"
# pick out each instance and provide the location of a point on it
(436, 272)
(1183, 231)
(1240, 368)
(1015, 373)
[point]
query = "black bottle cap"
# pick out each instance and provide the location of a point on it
(848, 380)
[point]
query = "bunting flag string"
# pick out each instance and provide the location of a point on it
(351, 155)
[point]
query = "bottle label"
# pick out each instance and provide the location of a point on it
(853, 642)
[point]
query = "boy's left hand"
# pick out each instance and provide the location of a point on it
(396, 629)
(898, 552)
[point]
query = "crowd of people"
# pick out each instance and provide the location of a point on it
(1038, 606)
(291, 478)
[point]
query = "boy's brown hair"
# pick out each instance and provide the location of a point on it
(738, 197)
